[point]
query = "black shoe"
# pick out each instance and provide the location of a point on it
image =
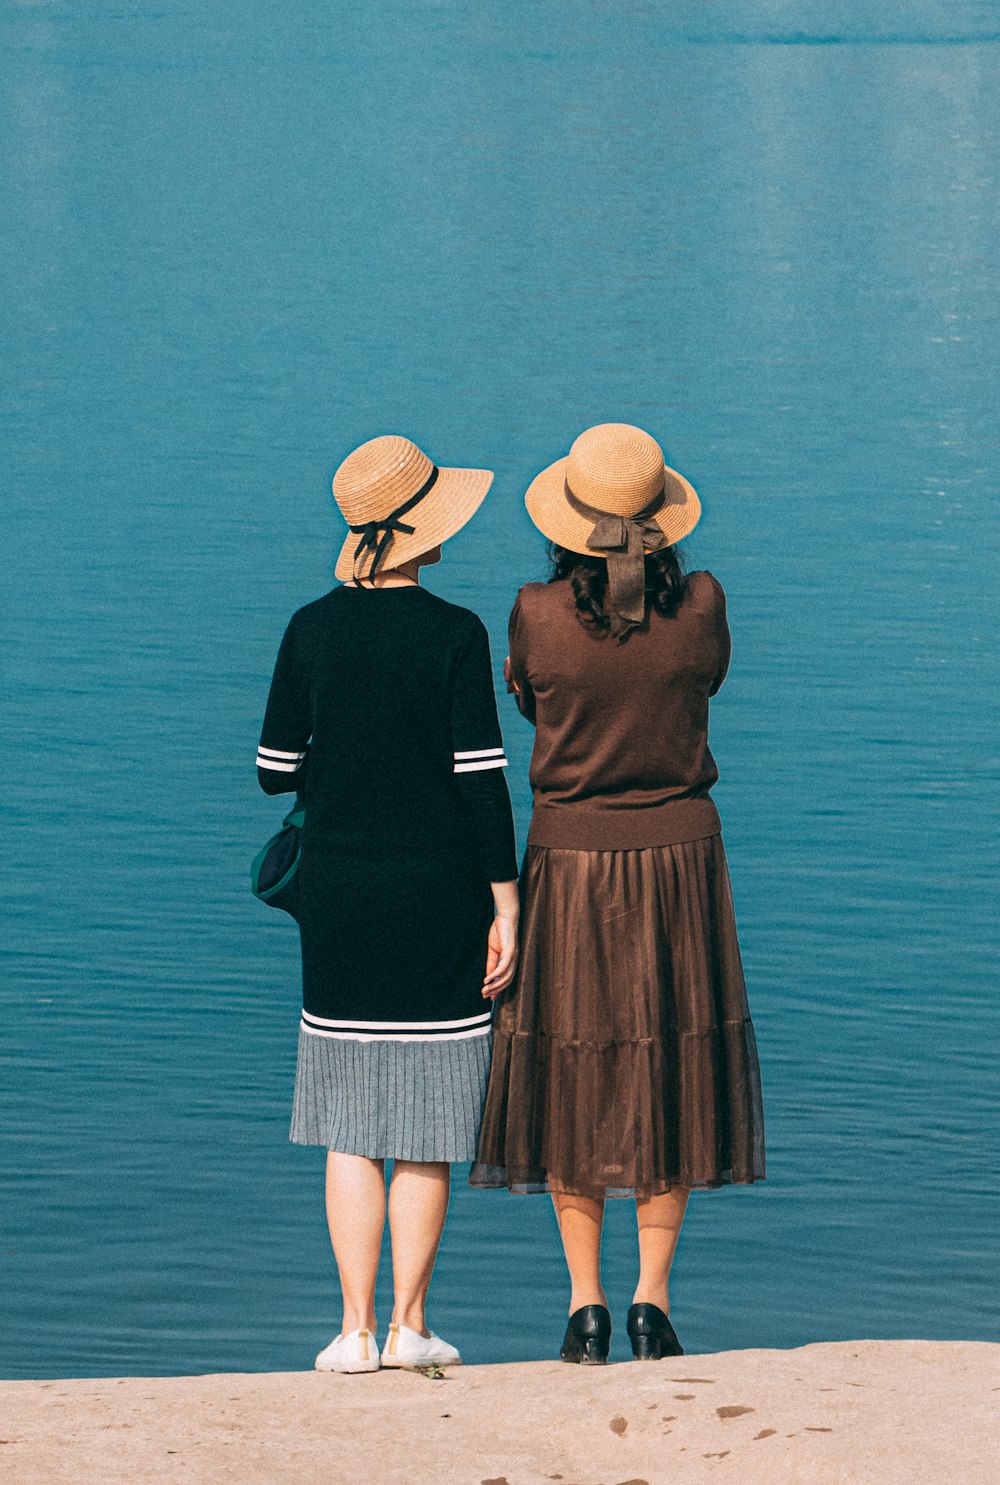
(651, 1334)
(588, 1336)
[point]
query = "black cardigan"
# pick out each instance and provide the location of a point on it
(382, 713)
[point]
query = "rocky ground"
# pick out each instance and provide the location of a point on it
(835, 1414)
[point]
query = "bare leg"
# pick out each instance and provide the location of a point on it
(355, 1212)
(659, 1221)
(581, 1220)
(418, 1205)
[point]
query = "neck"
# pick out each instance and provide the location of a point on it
(407, 575)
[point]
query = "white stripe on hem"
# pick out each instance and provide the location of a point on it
(278, 767)
(341, 1025)
(478, 767)
(481, 753)
(277, 753)
(395, 1036)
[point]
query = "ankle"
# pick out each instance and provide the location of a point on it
(579, 1298)
(358, 1320)
(412, 1316)
(658, 1297)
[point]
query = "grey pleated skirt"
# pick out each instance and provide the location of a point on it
(392, 1100)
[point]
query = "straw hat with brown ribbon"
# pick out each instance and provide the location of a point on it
(398, 504)
(614, 497)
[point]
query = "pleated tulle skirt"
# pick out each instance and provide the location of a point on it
(624, 1058)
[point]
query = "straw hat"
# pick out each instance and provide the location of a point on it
(612, 469)
(398, 504)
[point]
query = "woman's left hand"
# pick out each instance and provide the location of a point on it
(501, 956)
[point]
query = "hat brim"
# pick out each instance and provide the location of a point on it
(556, 518)
(453, 500)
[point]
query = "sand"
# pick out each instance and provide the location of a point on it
(834, 1414)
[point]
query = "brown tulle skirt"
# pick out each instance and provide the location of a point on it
(624, 1057)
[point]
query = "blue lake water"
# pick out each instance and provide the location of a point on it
(241, 238)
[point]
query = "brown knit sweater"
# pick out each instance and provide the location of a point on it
(621, 757)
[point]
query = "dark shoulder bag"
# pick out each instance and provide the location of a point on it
(274, 873)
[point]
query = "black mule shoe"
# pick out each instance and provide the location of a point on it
(651, 1334)
(588, 1336)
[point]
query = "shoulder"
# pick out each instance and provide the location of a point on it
(704, 587)
(538, 598)
(534, 592)
(315, 626)
(453, 624)
(313, 613)
(465, 620)
(299, 626)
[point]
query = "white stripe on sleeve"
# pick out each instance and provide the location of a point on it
(273, 763)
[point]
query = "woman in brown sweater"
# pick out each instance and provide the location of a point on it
(624, 1060)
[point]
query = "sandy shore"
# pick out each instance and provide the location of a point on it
(834, 1414)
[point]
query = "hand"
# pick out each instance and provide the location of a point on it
(501, 956)
(513, 689)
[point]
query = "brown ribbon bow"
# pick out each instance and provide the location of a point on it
(624, 540)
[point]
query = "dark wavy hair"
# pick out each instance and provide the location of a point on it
(588, 575)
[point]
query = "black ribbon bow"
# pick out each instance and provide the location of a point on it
(624, 541)
(377, 536)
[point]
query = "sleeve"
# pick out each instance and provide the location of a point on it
(723, 635)
(284, 738)
(486, 801)
(479, 758)
(519, 684)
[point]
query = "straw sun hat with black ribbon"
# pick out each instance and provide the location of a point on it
(398, 504)
(614, 497)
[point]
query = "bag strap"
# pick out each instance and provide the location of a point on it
(297, 815)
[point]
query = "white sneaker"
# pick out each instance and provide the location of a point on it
(408, 1348)
(355, 1352)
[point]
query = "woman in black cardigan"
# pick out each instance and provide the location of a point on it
(382, 713)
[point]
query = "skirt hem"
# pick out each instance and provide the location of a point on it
(495, 1178)
(491, 1180)
(419, 1156)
